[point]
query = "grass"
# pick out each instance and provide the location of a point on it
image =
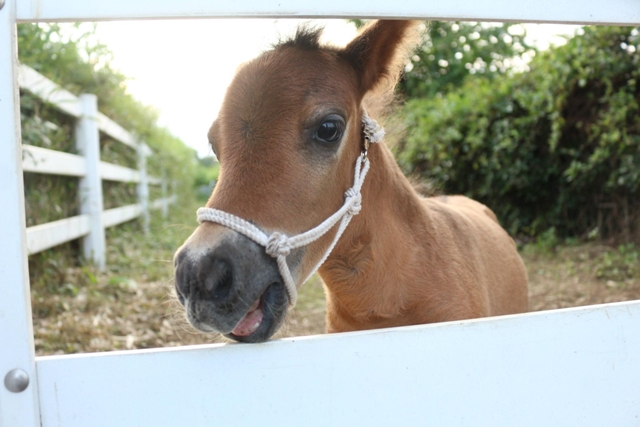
(77, 309)
(581, 274)
(131, 305)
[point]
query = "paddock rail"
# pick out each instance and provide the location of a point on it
(90, 225)
(573, 367)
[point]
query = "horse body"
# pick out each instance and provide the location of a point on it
(408, 260)
(287, 137)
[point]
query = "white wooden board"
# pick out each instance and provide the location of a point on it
(16, 331)
(43, 160)
(116, 216)
(114, 130)
(623, 12)
(45, 236)
(159, 203)
(37, 84)
(572, 367)
(154, 181)
(111, 172)
(577, 367)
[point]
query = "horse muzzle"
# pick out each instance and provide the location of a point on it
(228, 284)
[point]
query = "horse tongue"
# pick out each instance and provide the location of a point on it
(249, 323)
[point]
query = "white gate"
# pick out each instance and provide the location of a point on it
(558, 368)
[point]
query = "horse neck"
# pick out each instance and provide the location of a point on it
(370, 251)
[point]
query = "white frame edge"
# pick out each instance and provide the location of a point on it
(16, 329)
(606, 336)
(618, 12)
(565, 367)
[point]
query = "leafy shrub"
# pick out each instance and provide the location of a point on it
(452, 51)
(541, 148)
(618, 264)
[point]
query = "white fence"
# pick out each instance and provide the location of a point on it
(574, 367)
(92, 221)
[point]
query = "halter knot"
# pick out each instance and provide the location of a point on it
(278, 244)
(371, 129)
(352, 193)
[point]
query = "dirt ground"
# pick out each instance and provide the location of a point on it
(582, 275)
(110, 314)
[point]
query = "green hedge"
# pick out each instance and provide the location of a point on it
(542, 148)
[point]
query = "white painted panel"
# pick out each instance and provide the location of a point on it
(119, 215)
(573, 367)
(45, 236)
(154, 181)
(161, 203)
(114, 130)
(43, 160)
(16, 330)
(40, 86)
(112, 172)
(111, 128)
(570, 11)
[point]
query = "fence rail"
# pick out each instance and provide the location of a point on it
(619, 12)
(92, 221)
(565, 367)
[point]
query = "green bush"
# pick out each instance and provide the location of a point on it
(541, 148)
(453, 51)
(618, 264)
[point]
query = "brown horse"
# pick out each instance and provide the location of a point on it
(288, 136)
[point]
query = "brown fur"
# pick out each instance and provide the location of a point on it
(404, 259)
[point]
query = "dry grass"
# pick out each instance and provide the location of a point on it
(572, 276)
(131, 305)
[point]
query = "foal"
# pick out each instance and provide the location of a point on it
(289, 136)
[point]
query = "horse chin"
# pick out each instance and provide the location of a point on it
(263, 319)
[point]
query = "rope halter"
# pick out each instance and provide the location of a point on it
(279, 245)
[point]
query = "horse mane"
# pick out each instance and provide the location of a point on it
(306, 37)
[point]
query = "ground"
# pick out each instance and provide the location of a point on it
(131, 305)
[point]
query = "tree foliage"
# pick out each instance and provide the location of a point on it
(542, 148)
(451, 51)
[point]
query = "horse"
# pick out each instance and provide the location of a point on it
(304, 185)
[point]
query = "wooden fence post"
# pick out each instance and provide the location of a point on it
(174, 191)
(88, 144)
(163, 189)
(143, 186)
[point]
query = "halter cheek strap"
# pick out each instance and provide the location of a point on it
(278, 244)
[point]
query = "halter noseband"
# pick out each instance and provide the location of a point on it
(278, 244)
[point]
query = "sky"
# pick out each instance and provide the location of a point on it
(183, 67)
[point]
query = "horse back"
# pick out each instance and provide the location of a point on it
(482, 254)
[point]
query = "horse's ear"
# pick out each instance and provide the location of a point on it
(380, 51)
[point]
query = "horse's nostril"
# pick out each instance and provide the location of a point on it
(219, 281)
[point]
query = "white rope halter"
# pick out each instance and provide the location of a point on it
(279, 245)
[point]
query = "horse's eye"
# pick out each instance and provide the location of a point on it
(331, 129)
